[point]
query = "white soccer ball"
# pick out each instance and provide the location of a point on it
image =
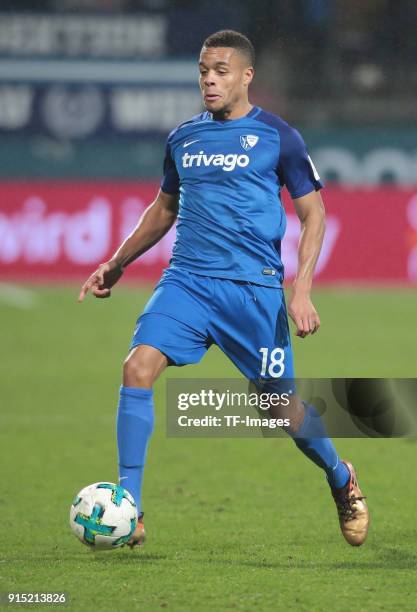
(103, 516)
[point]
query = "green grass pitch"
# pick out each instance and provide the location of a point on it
(245, 524)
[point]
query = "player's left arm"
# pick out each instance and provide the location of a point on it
(310, 211)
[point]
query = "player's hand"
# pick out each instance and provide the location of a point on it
(303, 313)
(100, 282)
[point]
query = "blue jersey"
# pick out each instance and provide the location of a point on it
(229, 175)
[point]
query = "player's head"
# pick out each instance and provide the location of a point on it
(226, 65)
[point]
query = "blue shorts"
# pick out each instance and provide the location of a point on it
(188, 313)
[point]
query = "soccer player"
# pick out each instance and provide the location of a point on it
(223, 174)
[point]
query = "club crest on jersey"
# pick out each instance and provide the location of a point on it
(248, 141)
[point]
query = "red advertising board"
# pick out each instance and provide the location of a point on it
(62, 230)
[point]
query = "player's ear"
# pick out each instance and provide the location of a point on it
(248, 75)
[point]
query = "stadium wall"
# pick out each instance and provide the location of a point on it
(59, 231)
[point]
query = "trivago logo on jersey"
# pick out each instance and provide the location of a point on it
(226, 162)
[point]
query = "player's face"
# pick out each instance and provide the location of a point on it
(224, 78)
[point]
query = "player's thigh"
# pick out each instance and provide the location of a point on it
(251, 328)
(175, 320)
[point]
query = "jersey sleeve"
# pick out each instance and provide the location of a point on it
(295, 169)
(171, 181)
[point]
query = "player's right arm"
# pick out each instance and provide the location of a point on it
(155, 222)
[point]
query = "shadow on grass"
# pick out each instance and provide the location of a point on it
(388, 558)
(101, 557)
(385, 558)
(131, 556)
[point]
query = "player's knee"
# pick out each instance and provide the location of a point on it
(292, 411)
(142, 367)
(136, 373)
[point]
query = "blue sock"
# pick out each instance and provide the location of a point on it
(135, 420)
(311, 438)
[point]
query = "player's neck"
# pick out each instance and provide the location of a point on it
(237, 112)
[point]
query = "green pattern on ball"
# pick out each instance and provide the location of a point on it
(92, 524)
(118, 493)
(124, 539)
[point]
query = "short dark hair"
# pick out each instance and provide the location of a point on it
(233, 39)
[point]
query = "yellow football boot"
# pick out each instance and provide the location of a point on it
(352, 510)
(138, 536)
